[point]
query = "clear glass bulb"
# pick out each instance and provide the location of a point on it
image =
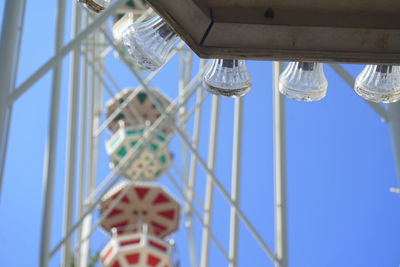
(303, 81)
(379, 83)
(150, 42)
(95, 5)
(227, 77)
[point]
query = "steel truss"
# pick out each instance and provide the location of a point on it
(89, 81)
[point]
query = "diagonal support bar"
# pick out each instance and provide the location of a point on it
(342, 72)
(394, 126)
(51, 144)
(65, 50)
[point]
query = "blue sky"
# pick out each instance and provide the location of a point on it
(339, 158)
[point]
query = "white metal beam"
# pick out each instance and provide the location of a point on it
(4, 134)
(83, 140)
(281, 238)
(235, 181)
(69, 189)
(191, 182)
(8, 41)
(51, 145)
(394, 126)
(209, 195)
(96, 100)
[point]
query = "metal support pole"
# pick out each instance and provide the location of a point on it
(9, 31)
(281, 242)
(51, 146)
(87, 222)
(235, 182)
(185, 69)
(95, 110)
(394, 125)
(83, 140)
(192, 179)
(208, 202)
(4, 134)
(70, 164)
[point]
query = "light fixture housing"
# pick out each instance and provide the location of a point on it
(150, 42)
(96, 6)
(227, 77)
(379, 83)
(303, 81)
(306, 30)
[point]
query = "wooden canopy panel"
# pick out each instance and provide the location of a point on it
(358, 31)
(354, 6)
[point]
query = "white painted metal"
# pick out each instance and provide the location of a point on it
(51, 145)
(68, 231)
(281, 236)
(83, 140)
(190, 89)
(208, 201)
(394, 125)
(181, 84)
(93, 90)
(235, 181)
(211, 174)
(8, 41)
(112, 178)
(218, 184)
(64, 51)
(395, 190)
(71, 154)
(92, 168)
(196, 213)
(91, 207)
(4, 133)
(391, 115)
(346, 76)
(191, 181)
(185, 69)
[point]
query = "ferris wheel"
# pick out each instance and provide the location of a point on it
(148, 138)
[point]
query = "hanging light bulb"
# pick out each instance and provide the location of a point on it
(227, 77)
(304, 81)
(150, 42)
(379, 83)
(95, 5)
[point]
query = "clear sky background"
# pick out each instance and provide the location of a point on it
(339, 158)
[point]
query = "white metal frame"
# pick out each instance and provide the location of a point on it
(89, 36)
